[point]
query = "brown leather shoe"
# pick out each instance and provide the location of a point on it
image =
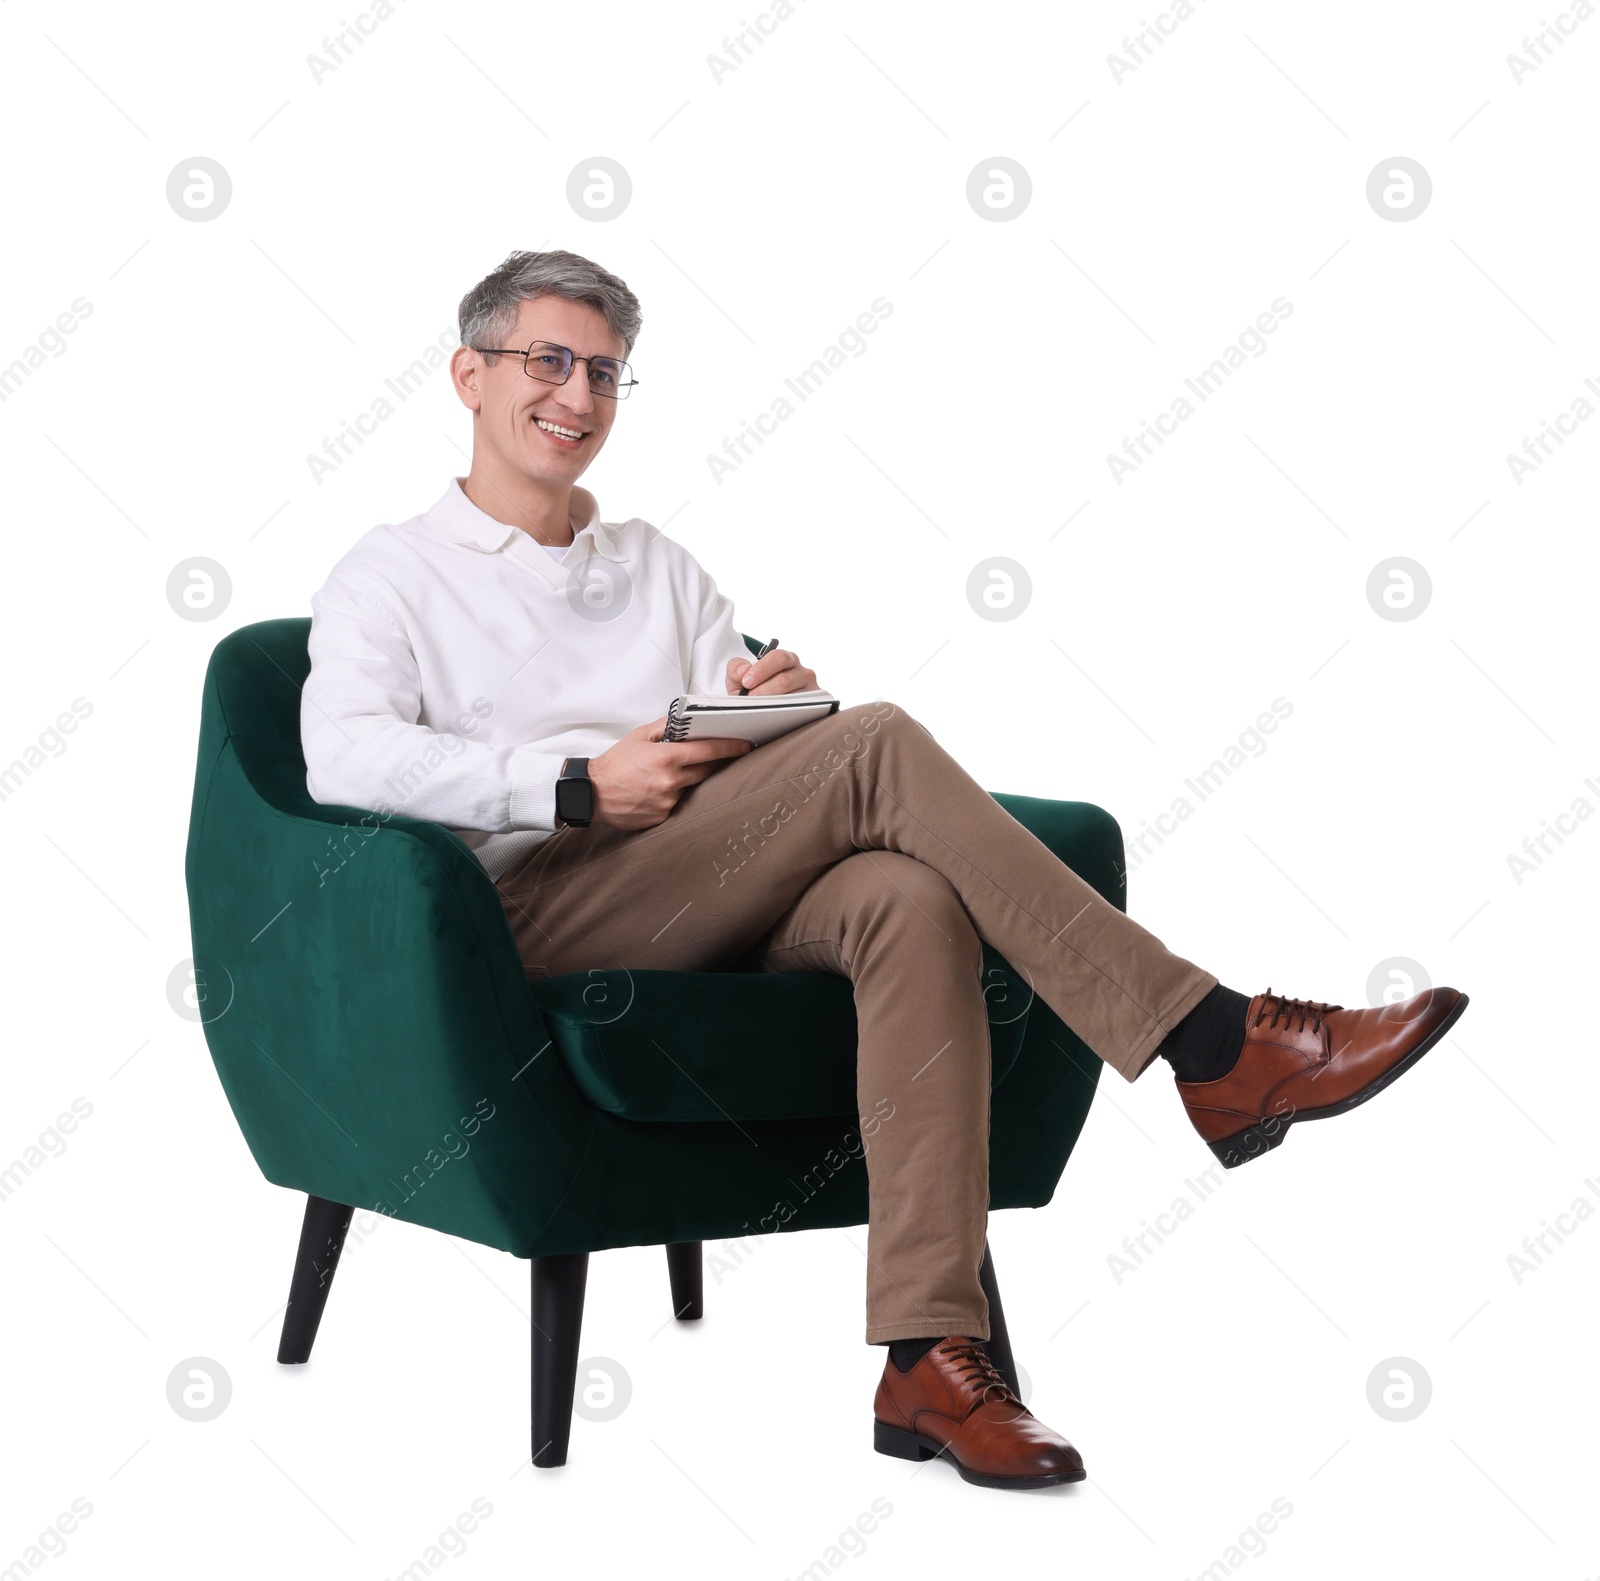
(955, 1403)
(1304, 1060)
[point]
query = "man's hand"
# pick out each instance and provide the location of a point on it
(779, 671)
(639, 779)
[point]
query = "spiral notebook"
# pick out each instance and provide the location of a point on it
(753, 719)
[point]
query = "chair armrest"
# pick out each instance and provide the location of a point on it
(368, 1016)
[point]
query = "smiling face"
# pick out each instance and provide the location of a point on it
(516, 417)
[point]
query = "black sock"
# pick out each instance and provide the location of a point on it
(1205, 1045)
(906, 1353)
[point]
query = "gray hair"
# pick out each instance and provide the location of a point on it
(488, 312)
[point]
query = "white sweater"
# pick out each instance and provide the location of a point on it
(455, 661)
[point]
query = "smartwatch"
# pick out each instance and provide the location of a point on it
(575, 793)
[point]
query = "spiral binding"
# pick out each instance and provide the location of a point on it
(679, 720)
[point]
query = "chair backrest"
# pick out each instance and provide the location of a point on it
(259, 672)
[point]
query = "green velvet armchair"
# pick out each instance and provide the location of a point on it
(382, 1049)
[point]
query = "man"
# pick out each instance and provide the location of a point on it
(522, 650)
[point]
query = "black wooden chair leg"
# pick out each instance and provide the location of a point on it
(322, 1234)
(998, 1344)
(558, 1286)
(686, 1270)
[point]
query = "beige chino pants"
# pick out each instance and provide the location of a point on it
(857, 845)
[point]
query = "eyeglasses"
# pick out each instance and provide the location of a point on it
(552, 364)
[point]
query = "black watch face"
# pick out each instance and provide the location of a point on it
(576, 800)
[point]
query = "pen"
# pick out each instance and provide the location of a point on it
(761, 653)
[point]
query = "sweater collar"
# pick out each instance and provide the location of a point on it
(464, 523)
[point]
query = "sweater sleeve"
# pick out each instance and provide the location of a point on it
(716, 640)
(364, 747)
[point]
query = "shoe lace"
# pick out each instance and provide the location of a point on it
(1307, 1009)
(976, 1368)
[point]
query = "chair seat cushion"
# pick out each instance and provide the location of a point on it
(650, 1045)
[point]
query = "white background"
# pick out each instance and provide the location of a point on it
(1167, 611)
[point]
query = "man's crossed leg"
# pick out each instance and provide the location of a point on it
(857, 845)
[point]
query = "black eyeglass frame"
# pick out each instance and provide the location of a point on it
(623, 385)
